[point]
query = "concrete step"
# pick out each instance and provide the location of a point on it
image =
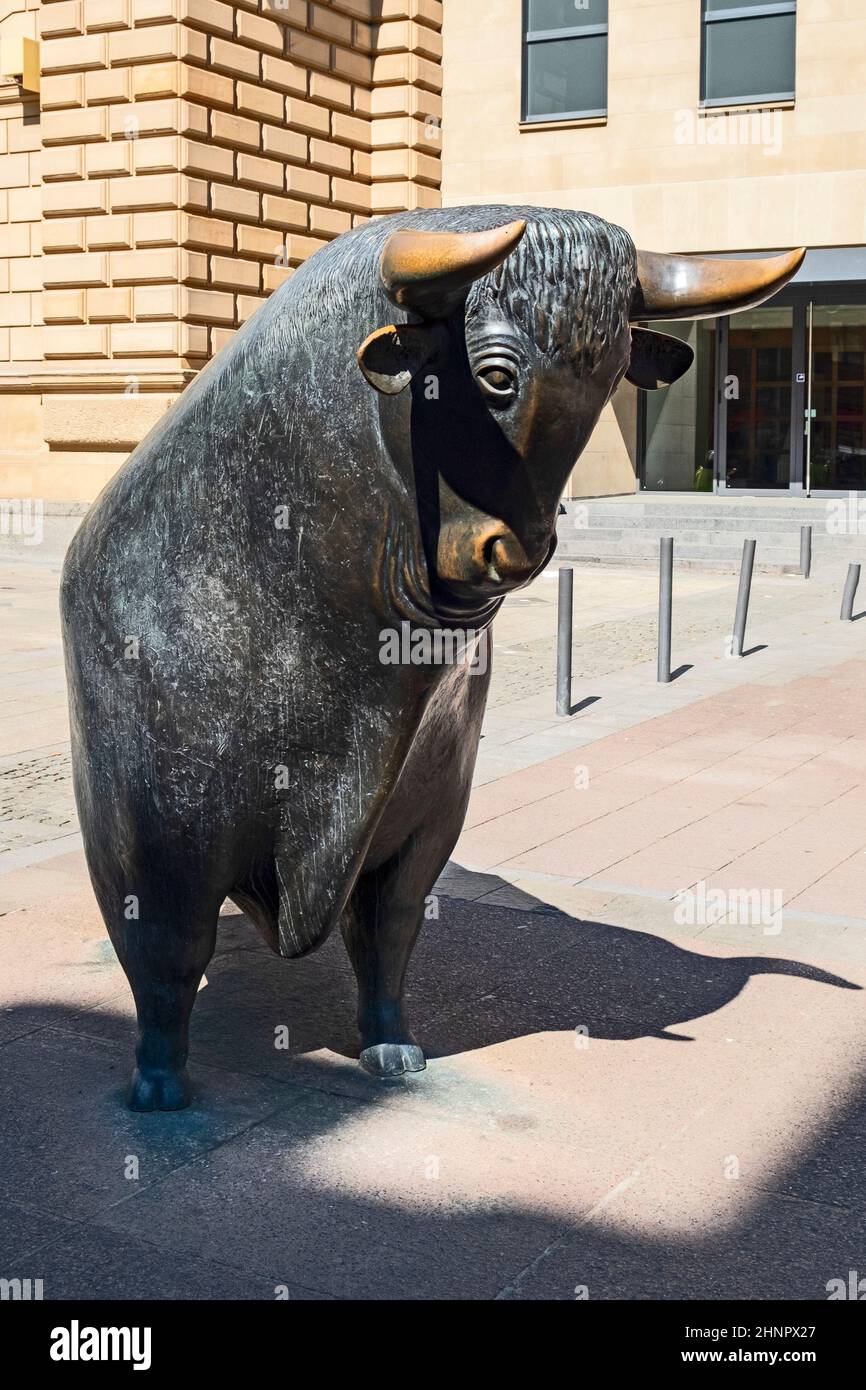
(716, 565)
(719, 510)
(688, 517)
(662, 524)
(712, 553)
(629, 537)
(707, 533)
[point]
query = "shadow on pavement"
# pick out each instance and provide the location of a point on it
(237, 1197)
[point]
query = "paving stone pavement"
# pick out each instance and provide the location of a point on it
(624, 1096)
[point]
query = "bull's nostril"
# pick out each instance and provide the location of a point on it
(490, 558)
(503, 559)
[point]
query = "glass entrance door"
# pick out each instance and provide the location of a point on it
(775, 402)
(757, 395)
(836, 397)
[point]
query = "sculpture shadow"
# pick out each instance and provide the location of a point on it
(481, 973)
(243, 1193)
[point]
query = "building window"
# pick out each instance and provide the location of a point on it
(564, 59)
(748, 51)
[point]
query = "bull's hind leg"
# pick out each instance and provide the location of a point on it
(164, 940)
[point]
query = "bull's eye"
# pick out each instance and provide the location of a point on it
(498, 380)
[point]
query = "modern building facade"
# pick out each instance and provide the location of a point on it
(164, 165)
(721, 127)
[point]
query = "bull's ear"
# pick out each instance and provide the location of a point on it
(391, 356)
(657, 359)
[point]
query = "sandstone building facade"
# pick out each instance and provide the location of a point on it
(164, 165)
(722, 127)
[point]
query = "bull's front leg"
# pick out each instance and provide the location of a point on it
(380, 927)
(411, 847)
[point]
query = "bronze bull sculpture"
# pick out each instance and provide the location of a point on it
(236, 729)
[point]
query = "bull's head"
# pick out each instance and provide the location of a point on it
(510, 369)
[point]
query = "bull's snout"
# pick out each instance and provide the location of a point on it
(503, 560)
(487, 559)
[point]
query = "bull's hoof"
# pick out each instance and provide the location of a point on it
(158, 1090)
(387, 1060)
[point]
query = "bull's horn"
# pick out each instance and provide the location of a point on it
(430, 273)
(698, 287)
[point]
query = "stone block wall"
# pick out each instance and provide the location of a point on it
(20, 238)
(184, 158)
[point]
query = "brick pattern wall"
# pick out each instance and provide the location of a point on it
(196, 152)
(406, 106)
(190, 154)
(20, 207)
(114, 266)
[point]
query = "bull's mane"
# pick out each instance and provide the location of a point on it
(568, 284)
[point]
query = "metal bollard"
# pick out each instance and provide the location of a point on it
(563, 641)
(852, 579)
(805, 551)
(666, 585)
(743, 597)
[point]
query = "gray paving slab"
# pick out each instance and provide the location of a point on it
(24, 1231)
(780, 1249)
(329, 1239)
(101, 1263)
(70, 1147)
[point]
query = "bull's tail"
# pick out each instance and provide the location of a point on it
(770, 965)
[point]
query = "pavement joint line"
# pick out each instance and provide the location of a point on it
(27, 1033)
(807, 812)
(749, 747)
(45, 1246)
(546, 796)
(119, 1043)
(620, 722)
(805, 1201)
(198, 1158)
(62, 747)
(205, 1152)
(595, 1211)
(521, 1276)
(596, 820)
(825, 919)
(41, 852)
(620, 890)
(841, 862)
